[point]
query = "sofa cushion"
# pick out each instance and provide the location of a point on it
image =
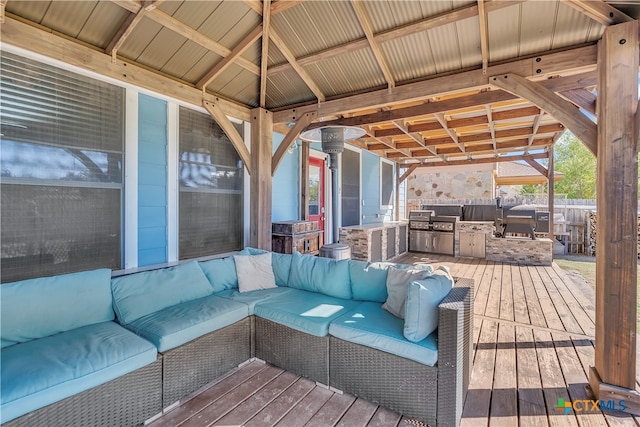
(324, 275)
(421, 308)
(304, 311)
(221, 273)
(368, 280)
(181, 323)
(139, 294)
(39, 372)
(281, 264)
(254, 272)
(37, 308)
(397, 281)
(251, 298)
(370, 325)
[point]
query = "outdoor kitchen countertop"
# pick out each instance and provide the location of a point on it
(375, 225)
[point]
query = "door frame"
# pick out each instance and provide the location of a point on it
(316, 154)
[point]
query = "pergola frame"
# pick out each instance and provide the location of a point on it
(614, 139)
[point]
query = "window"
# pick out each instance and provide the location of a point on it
(211, 188)
(350, 187)
(386, 185)
(61, 161)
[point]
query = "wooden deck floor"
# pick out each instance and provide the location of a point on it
(533, 330)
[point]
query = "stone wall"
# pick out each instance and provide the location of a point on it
(450, 183)
(520, 250)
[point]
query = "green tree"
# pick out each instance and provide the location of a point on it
(578, 165)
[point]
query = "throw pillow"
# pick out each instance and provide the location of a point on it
(397, 281)
(421, 308)
(254, 272)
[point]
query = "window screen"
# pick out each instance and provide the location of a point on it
(350, 188)
(61, 159)
(386, 184)
(211, 188)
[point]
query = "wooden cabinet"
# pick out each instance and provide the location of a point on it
(472, 244)
(295, 236)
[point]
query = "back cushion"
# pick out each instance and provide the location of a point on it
(45, 306)
(368, 280)
(144, 293)
(324, 275)
(221, 273)
(281, 264)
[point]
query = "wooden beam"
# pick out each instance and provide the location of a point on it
(264, 57)
(25, 36)
(408, 172)
(451, 132)
(599, 11)
(551, 194)
(581, 60)
(238, 50)
(125, 30)
(484, 36)
(304, 181)
(3, 4)
(617, 189)
(556, 106)
(482, 160)
(276, 8)
(186, 31)
(290, 137)
(492, 128)
(261, 181)
(217, 113)
(537, 166)
(582, 98)
(419, 26)
(515, 143)
(361, 15)
(483, 98)
(536, 126)
(304, 75)
(414, 136)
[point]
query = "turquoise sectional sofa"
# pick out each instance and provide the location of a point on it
(66, 338)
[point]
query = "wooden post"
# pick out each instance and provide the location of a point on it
(616, 247)
(551, 193)
(397, 207)
(304, 181)
(261, 180)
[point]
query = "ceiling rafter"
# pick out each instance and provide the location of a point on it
(599, 11)
(583, 98)
(385, 141)
(302, 73)
(126, 29)
(225, 62)
(492, 127)
(276, 8)
(556, 106)
(451, 132)
(402, 126)
(3, 4)
(502, 146)
(536, 126)
(581, 58)
(188, 32)
(365, 24)
(418, 26)
(484, 35)
(264, 57)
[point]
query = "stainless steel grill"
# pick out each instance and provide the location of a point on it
(429, 233)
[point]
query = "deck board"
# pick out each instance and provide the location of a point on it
(533, 331)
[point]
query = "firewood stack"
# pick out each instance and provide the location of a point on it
(591, 219)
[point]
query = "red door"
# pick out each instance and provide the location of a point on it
(316, 193)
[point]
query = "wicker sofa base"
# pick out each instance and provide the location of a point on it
(197, 363)
(303, 354)
(128, 400)
(402, 385)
